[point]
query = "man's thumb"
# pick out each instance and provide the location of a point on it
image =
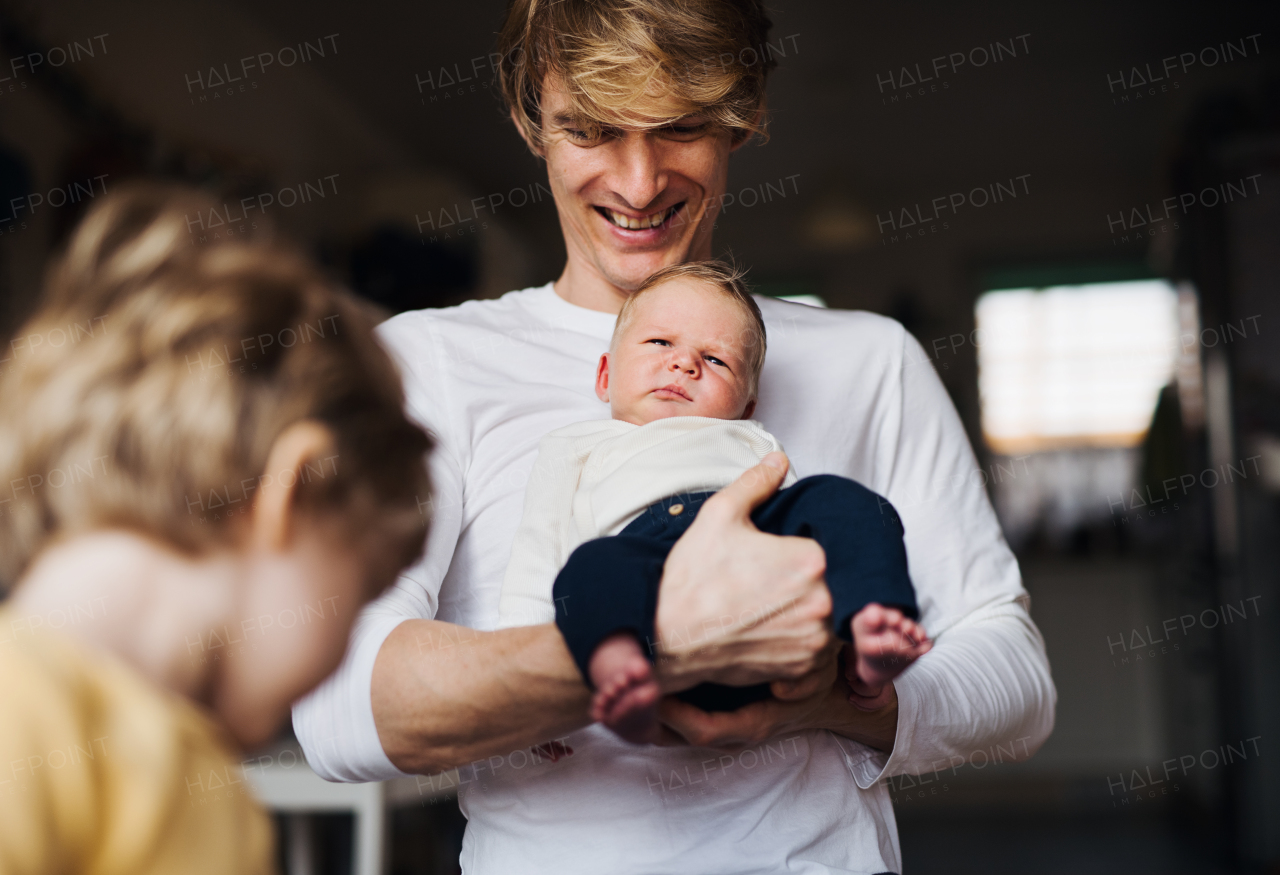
(758, 483)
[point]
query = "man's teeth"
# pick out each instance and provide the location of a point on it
(637, 224)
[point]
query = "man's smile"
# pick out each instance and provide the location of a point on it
(658, 221)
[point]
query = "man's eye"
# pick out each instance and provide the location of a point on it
(685, 132)
(589, 136)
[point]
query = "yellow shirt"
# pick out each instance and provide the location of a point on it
(103, 774)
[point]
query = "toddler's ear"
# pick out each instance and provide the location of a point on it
(602, 378)
(275, 512)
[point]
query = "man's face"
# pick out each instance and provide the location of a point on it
(680, 354)
(634, 201)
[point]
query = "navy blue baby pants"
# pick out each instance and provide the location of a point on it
(611, 584)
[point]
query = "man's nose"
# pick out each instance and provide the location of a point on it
(638, 176)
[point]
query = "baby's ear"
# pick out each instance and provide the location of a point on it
(751, 408)
(602, 378)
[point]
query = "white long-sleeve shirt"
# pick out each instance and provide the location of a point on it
(847, 393)
(593, 478)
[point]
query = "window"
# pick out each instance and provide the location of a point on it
(1068, 380)
(1074, 366)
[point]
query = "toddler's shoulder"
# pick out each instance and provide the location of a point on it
(79, 722)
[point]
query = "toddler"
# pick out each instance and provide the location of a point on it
(608, 500)
(198, 499)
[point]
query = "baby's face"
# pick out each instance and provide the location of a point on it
(682, 354)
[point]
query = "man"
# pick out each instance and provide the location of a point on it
(636, 107)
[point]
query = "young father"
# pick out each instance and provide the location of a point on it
(636, 107)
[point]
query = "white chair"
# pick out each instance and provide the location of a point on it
(285, 784)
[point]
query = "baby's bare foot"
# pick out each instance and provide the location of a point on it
(626, 698)
(885, 642)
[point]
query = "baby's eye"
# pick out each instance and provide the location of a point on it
(715, 361)
(659, 340)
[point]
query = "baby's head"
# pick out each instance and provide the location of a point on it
(689, 342)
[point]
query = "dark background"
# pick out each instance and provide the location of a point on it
(374, 125)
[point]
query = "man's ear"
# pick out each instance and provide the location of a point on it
(602, 378)
(751, 408)
(274, 507)
(524, 135)
(733, 147)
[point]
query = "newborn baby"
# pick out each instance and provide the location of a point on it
(608, 499)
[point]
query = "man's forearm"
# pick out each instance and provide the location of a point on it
(445, 695)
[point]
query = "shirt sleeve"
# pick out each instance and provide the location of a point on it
(986, 684)
(334, 723)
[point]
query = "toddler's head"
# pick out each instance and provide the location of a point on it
(228, 404)
(689, 342)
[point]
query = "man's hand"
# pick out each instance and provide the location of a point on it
(736, 605)
(873, 722)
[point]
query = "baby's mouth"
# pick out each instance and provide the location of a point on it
(672, 391)
(644, 223)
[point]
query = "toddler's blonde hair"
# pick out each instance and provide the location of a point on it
(148, 389)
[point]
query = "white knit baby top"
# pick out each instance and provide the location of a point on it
(592, 479)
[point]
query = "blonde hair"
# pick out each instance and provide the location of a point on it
(157, 374)
(724, 278)
(638, 63)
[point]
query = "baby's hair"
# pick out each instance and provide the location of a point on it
(724, 277)
(157, 374)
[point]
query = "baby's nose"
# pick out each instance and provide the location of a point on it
(682, 361)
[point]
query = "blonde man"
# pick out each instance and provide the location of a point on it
(636, 106)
